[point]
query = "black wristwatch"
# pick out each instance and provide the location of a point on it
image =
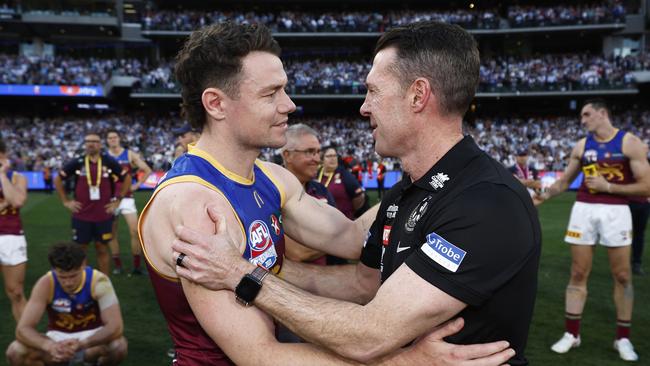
(249, 286)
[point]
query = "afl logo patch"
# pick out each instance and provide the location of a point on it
(259, 237)
(62, 305)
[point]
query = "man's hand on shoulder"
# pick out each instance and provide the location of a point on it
(212, 261)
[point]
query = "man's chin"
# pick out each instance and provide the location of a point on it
(277, 142)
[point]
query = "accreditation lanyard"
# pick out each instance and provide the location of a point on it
(329, 177)
(93, 189)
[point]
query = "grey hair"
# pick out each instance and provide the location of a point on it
(296, 131)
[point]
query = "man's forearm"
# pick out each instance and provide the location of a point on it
(557, 188)
(58, 185)
(300, 354)
(342, 327)
(349, 247)
(634, 189)
(104, 335)
(339, 282)
(32, 338)
(146, 173)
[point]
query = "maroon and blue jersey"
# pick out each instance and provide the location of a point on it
(257, 206)
(605, 158)
(76, 312)
(123, 160)
(10, 223)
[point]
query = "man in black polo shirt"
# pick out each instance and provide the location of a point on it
(95, 199)
(458, 236)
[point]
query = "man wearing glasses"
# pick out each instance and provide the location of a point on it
(301, 156)
(94, 175)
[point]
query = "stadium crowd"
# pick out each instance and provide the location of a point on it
(61, 70)
(535, 16)
(38, 142)
(366, 21)
(548, 72)
(293, 21)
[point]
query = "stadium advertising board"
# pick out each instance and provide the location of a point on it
(92, 91)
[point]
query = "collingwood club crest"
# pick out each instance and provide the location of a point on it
(417, 213)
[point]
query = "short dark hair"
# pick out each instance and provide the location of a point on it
(212, 57)
(598, 103)
(112, 130)
(3, 147)
(66, 256)
(444, 54)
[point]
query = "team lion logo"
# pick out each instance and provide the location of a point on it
(612, 173)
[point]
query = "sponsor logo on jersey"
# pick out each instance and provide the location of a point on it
(417, 214)
(573, 234)
(386, 235)
(391, 212)
(438, 180)
(443, 252)
(261, 244)
(62, 305)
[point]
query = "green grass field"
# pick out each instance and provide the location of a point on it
(47, 221)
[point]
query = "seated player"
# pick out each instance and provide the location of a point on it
(84, 318)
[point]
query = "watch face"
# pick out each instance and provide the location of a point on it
(247, 289)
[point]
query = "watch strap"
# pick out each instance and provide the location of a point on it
(259, 273)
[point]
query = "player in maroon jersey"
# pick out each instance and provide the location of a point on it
(615, 166)
(129, 160)
(13, 247)
(84, 317)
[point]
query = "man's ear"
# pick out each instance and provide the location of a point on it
(419, 94)
(285, 156)
(215, 102)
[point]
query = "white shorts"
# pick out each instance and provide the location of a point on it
(58, 336)
(127, 206)
(611, 225)
(13, 250)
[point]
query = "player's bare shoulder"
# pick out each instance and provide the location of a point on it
(632, 145)
(284, 178)
(579, 148)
